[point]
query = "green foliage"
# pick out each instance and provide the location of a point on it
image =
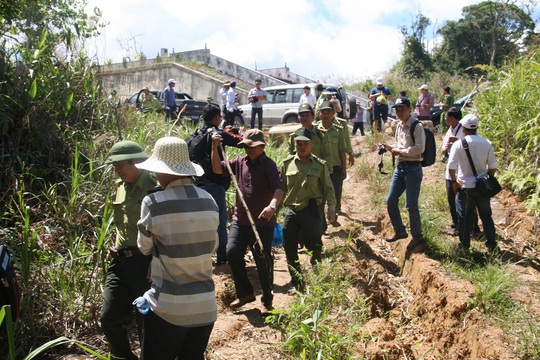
(323, 323)
(415, 62)
(513, 126)
(489, 33)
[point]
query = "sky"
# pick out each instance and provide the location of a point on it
(347, 40)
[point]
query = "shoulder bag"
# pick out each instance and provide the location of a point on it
(486, 186)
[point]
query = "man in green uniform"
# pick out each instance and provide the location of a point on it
(149, 103)
(306, 184)
(306, 117)
(336, 135)
(446, 102)
(127, 274)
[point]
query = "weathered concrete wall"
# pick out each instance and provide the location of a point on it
(129, 81)
(130, 77)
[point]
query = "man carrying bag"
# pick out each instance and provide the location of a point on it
(471, 160)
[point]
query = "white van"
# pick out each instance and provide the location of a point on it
(281, 107)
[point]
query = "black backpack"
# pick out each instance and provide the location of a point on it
(430, 150)
(10, 293)
(200, 146)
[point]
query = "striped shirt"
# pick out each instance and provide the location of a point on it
(178, 226)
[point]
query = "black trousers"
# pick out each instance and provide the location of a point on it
(162, 340)
(240, 237)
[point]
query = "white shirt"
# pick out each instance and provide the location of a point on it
(483, 157)
(223, 93)
(231, 99)
(452, 131)
(308, 99)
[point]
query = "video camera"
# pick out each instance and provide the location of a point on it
(382, 150)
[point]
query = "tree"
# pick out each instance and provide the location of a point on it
(489, 33)
(415, 61)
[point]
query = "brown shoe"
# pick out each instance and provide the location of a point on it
(265, 310)
(242, 301)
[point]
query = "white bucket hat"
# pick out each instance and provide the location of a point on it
(171, 156)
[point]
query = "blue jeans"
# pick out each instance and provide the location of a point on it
(467, 200)
(218, 193)
(407, 178)
(259, 113)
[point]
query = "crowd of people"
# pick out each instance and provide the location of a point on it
(166, 236)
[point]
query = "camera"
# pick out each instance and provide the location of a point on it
(444, 158)
(254, 99)
(382, 150)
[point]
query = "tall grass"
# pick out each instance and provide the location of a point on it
(323, 323)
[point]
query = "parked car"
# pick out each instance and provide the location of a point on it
(436, 111)
(282, 104)
(193, 111)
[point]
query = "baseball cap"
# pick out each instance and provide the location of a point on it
(423, 87)
(326, 105)
(469, 121)
(302, 134)
(379, 81)
(125, 150)
(402, 101)
(305, 108)
(171, 81)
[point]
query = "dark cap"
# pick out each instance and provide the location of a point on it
(326, 105)
(302, 134)
(402, 101)
(319, 87)
(125, 150)
(305, 108)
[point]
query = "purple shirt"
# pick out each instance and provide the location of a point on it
(258, 181)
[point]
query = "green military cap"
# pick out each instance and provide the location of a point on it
(305, 108)
(302, 134)
(125, 150)
(326, 105)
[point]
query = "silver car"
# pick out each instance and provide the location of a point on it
(281, 107)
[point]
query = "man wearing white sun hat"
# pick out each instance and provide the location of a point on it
(178, 226)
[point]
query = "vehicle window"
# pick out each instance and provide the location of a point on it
(281, 97)
(296, 95)
(269, 96)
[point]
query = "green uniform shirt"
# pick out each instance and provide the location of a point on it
(345, 133)
(318, 147)
(304, 180)
(334, 143)
(447, 99)
(127, 208)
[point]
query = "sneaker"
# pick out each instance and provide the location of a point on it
(396, 237)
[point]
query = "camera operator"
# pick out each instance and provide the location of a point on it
(256, 96)
(407, 176)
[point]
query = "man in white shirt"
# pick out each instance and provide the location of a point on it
(231, 104)
(464, 182)
(256, 97)
(307, 97)
(223, 93)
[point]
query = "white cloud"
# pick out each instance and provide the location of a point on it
(314, 38)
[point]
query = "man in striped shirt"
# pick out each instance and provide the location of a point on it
(178, 226)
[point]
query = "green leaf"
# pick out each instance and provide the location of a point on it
(33, 90)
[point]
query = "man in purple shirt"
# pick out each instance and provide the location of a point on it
(259, 181)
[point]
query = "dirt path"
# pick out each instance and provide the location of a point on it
(418, 309)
